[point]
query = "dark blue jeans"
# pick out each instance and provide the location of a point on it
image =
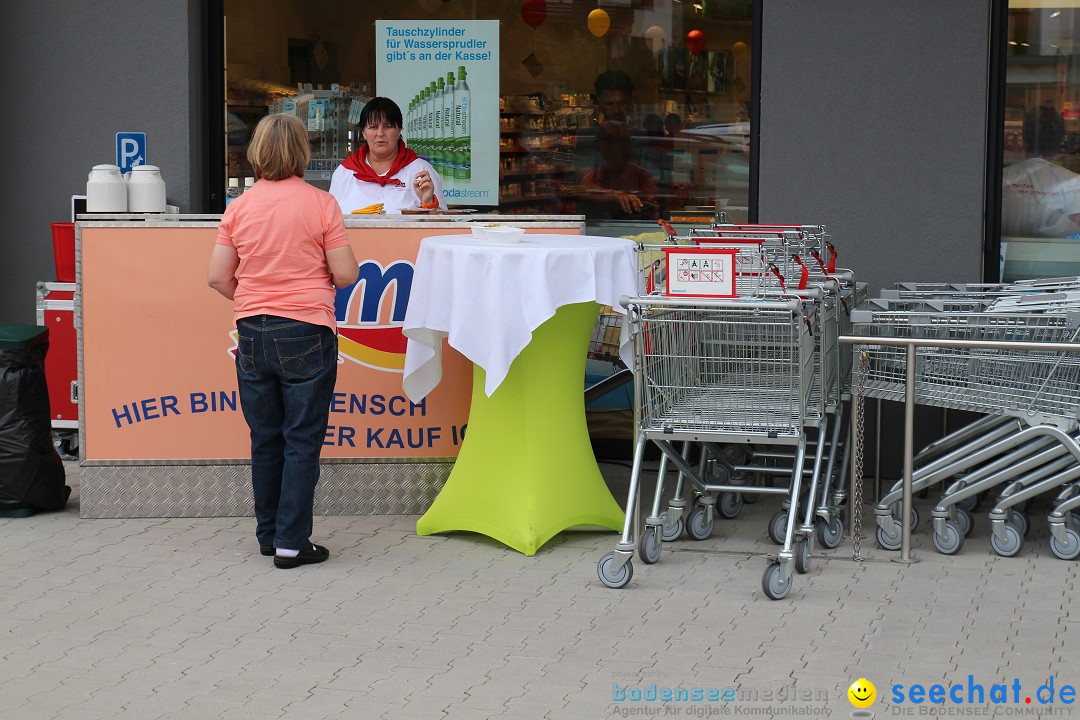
(286, 370)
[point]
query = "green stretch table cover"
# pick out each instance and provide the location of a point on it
(526, 470)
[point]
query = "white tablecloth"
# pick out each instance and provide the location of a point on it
(488, 298)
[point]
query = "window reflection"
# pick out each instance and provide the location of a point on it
(676, 143)
(1040, 214)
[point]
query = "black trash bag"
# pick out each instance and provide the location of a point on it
(31, 471)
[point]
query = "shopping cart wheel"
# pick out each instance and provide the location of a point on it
(699, 525)
(771, 584)
(778, 527)
(611, 578)
(1068, 550)
(914, 518)
(1020, 520)
(674, 532)
(886, 542)
(965, 520)
(802, 556)
(649, 545)
(1011, 544)
(970, 503)
(830, 534)
(729, 505)
(951, 542)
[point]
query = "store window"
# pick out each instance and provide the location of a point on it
(624, 111)
(1040, 218)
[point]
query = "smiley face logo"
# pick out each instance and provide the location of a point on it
(862, 693)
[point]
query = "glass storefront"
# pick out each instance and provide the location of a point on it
(1040, 217)
(585, 104)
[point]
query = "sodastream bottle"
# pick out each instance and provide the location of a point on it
(436, 131)
(462, 128)
(447, 170)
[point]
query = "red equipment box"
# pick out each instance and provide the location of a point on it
(56, 311)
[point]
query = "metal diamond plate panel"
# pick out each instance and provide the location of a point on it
(225, 490)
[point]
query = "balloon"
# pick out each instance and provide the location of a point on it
(655, 37)
(599, 22)
(533, 12)
(695, 41)
(740, 50)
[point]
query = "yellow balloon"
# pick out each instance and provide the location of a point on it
(655, 37)
(740, 50)
(599, 22)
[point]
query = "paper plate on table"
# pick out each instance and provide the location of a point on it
(498, 233)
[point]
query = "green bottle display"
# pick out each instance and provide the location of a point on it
(439, 126)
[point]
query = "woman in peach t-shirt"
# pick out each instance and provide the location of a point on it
(281, 249)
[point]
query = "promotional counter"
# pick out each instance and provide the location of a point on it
(161, 431)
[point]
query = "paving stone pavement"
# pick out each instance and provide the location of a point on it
(182, 618)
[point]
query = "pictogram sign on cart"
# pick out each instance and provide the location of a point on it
(700, 272)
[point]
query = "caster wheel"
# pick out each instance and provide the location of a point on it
(1014, 540)
(802, 556)
(699, 525)
(674, 532)
(649, 545)
(729, 505)
(830, 534)
(611, 578)
(67, 449)
(885, 541)
(965, 520)
(1068, 550)
(951, 542)
(735, 454)
(969, 503)
(771, 584)
(719, 475)
(914, 518)
(778, 527)
(1020, 520)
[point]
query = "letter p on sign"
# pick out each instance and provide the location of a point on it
(130, 150)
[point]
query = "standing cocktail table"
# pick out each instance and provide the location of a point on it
(523, 313)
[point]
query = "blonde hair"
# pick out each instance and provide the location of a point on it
(279, 147)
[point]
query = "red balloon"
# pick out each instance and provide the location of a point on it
(695, 41)
(533, 12)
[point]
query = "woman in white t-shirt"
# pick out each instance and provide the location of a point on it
(1038, 197)
(383, 170)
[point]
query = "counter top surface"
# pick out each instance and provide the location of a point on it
(379, 221)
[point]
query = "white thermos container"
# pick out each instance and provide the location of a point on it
(106, 190)
(145, 190)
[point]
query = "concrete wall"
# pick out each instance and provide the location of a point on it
(873, 122)
(77, 74)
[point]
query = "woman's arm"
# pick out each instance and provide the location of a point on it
(343, 266)
(222, 272)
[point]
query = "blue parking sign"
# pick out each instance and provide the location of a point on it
(130, 150)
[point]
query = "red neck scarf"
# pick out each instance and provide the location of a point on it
(357, 162)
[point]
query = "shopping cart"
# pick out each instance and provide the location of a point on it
(1028, 439)
(770, 265)
(716, 371)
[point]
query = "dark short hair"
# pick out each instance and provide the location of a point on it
(614, 80)
(377, 109)
(1044, 129)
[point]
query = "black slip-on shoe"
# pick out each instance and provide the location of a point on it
(267, 550)
(310, 556)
